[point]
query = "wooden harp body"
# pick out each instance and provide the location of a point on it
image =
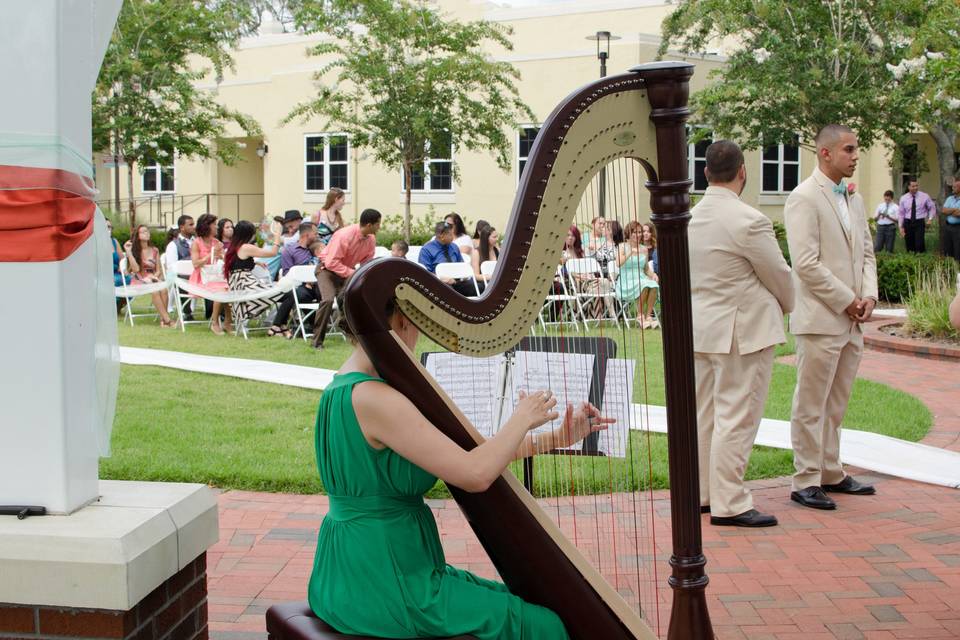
(641, 115)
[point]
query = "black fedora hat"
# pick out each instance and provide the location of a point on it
(289, 216)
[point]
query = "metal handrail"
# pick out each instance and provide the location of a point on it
(163, 209)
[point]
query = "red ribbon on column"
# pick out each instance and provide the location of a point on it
(42, 219)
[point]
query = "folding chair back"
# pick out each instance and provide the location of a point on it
(458, 271)
(487, 267)
(381, 252)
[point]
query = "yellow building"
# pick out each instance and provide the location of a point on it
(285, 169)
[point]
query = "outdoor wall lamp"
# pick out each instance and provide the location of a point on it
(262, 150)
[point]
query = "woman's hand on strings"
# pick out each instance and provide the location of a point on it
(578, 423)
(537, 408)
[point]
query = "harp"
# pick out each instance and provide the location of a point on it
(639, 116)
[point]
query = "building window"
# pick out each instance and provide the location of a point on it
(697, 162)
(326, 161)
(780, 168)
(158, 177)
(526, 134)
(909, 165)
(436, 173)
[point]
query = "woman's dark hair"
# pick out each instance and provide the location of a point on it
(480, 225)
(220, 225)
(458, 228)
(616, 231)
(136, 249)
(577, 241)
(343, 326)
(486, 249)
(243, 233)
(205, 224)
(172, 234)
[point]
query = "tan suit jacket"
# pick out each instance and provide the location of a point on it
(740, 283)
(832, 265)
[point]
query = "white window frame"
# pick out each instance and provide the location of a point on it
(781, 163)
(427, 187)
(692, 160)
(326, 162)
(158, 167)
(520, 158)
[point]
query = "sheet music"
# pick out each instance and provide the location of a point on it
(617, 403)
(567, 375)
(474, 384)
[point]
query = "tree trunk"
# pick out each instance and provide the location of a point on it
(944, 135)
(131, 205)
(408, 188)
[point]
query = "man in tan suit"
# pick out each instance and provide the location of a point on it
(741, 289)
(836, 278)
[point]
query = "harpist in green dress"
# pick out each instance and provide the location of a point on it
(379, 568)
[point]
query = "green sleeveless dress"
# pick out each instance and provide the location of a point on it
(379, 568)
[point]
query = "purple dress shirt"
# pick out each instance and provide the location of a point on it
(294, 255)
(926, 210)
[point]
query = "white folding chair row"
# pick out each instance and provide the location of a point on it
(183, 270)
(458, 271)
(129, 292)
(303, 274)
(563, 303)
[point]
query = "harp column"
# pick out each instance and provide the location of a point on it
(668, 87)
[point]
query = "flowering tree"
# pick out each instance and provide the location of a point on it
(408, 79)
(146, 106)
(797, 66)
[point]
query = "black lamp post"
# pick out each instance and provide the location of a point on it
(603, 39)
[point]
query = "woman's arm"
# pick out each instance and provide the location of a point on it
(475, 261)
(132, 266)
(577, 424)
(389, 419)
(195, 254)
(253, 251)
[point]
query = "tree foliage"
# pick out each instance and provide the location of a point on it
(406, 76)
(146, 103)
(797, 66)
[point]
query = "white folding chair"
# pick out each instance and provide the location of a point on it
(129, 292)
(183, 269)
(487, 267)
(582, 270)
(381, 252)
(567, 303)
(302, 274)
(458, 271)
(413, 253)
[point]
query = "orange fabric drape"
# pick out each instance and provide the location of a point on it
(39, 221)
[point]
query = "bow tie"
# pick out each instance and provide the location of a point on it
(840, 188)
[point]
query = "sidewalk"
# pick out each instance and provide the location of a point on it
(886, 566)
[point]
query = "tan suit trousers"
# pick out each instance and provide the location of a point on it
(731, 393)
(826, 368)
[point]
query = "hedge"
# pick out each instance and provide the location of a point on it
(897, 273)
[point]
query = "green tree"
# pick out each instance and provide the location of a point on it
(146, 106)
(797, 66)
(408, 79)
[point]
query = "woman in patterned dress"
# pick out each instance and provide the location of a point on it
(238, 269)
(143, 261)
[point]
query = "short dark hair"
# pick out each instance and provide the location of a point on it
(888, 193)
(400, 244)
(369, 216)
(306, 226)
(182, 220)
(913, 179)
(440, 227)
(829, 134)
(724, 159)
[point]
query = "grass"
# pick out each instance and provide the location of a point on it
(237, 434)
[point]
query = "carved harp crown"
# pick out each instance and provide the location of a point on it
(639, 115)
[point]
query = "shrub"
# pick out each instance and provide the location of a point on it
(421, 229)
(929, 302)
(159, 236)
(897, 273)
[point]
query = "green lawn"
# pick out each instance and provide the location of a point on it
(179, 426)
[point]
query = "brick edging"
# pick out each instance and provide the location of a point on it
(876, 339)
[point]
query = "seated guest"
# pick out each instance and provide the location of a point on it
(238, 267)
(143, 261)
(399, 249)
(291, 226)
(206, 251)
(225, 233)
(298, 253)
(186, 231)
(119, 278)
(476, 232)
(637, 281)
(328, 219)
(650, 242)
(486, 251)
(350, 246)
(595, 236)
(371, 441)
(316, 248)
(599, 284)
(272, 264)
(572, 245)
(460, 237)
(442, 249)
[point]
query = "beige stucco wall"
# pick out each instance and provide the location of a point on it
(273, 73)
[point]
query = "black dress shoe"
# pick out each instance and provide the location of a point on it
(704, 508)
(752, 518)
(813, 497)
(851, 486)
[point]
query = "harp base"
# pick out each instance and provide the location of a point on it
(689, 617)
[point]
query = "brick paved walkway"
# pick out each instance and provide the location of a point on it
(886, 566)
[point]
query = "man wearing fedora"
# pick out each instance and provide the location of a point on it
(291, 226)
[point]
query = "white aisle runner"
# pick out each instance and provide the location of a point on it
(883, 454)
